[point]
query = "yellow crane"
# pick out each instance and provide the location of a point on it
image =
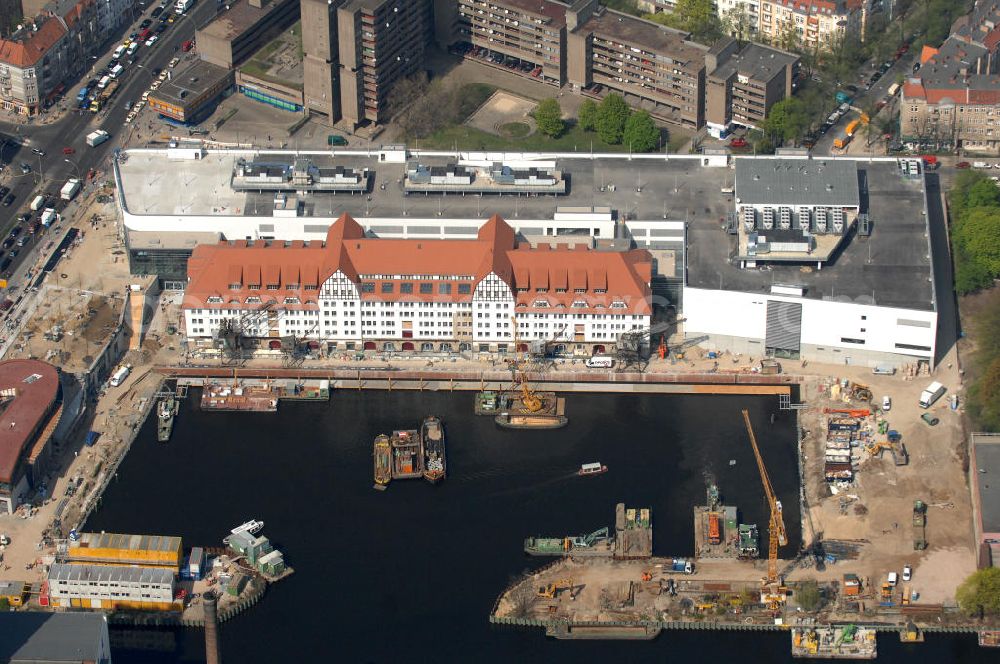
(529, 400)
(550, 590)
(772, 594)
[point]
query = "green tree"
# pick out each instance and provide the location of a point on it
(548, 117)
(641, 133)
(695, 16)
(807, 595)
(611, 118)
(983, 193)
(586, 117)
(786, 121)
(979, 595)
(979, 235)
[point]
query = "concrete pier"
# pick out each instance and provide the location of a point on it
(213, 655)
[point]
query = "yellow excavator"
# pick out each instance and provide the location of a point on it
(772, 593)
(549, 591)
(530, 401)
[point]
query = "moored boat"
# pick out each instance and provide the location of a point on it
(407, 454)
(595, 468)
(166, 410)
(517, 421)
(432, 434)
(383, 460)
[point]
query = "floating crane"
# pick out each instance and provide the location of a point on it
(772, 594)
(531, 402)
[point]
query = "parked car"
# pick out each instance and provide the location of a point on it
(40, 153)
(68, 150)
(886, 403)
(963, 164)
(160, 28)
(738, 142)
(151, 40)
(187, 46)
(25, 168)
(146, 23)
(8, 200)
(173, 62)
(907, 572)
(157, 12)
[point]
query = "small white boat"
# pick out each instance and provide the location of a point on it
(592, 469)
(251, 527)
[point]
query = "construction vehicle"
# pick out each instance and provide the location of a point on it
(772, 594)
(807, 641)
(861, 392)
(906, 595)
(549, 591)
(714, 536)
(919, 525)
(885, 597)
(530, 401)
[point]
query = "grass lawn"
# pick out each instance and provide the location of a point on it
(515, 129)
(470, 138)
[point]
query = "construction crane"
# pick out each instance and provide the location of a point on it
(530, 401)
(772, 594)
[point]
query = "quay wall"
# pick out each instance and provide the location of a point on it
(405, 379)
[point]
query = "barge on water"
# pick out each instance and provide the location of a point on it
(597, 543)
(407, 455)
(248, 398)
(491, 402)
(166, 411)
(382, 454)
(550, 415)
(432, 437)
(834, 642)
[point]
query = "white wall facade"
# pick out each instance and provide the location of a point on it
(479, 322)
(877, 333)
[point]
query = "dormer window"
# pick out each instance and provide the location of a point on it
(215, 299)
(541, 304)
(618, 304)
(291, 300)
(579, 304)
(235, 286)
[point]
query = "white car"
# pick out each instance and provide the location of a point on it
(163, 76)
(173, 63)
(886, 403)
(907, 572)
(892, 579)
(152, 40)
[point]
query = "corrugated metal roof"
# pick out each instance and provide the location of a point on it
(829, 183)
(127, 542)
(109, 573)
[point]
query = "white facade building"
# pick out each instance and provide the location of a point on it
(110, 586)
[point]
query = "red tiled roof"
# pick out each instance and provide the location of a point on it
(212, 269)
(23, 415)
(927, 53)
(26, 52)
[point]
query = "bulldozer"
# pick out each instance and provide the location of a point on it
(549, 591)
(861, 392)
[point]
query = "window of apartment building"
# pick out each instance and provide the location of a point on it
(368, 287)
(444, 289)
(406, 288)
(387, 287)
(426, 289)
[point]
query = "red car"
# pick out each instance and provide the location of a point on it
(963, 164)
(738, 143)
(68, 150)
(187, 46)
(144, 35)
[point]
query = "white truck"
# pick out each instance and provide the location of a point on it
(182, 6)
(37, 203)
(70, 189)
(119, 376)
(95, 138)
(48, 217)
(932, 393)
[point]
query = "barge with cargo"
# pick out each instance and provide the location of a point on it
(597, 543)
(407, 454)
(432, 437)
(166, 411)
(382, 457)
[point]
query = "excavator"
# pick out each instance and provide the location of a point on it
(549, 591)
(772, 593)
(530, 401)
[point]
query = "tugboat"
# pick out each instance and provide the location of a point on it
(592, 469)
(435, 465)
(165, 412)
(383, 462)
(748, 540)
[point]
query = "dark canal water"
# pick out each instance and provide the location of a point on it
(410, 575)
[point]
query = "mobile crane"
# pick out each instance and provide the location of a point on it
(772, 594)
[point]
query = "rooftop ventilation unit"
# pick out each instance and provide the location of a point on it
(838, 221)
(821, 220)
(748, 218)
(784, 218)
(768, 218)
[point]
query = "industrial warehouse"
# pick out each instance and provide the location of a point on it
(825, 259)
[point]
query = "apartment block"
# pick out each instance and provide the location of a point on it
(380, 42)
(953, 102)
(243, 28)
(320, 66)
(654, 67)
(741, 18)
(33, 64)
(810, 23)
(744, 83)
(527, 35)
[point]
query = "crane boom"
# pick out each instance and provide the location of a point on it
(776, 525)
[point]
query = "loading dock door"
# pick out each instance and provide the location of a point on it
(784, 329)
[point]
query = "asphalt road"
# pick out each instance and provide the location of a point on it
(50, 172)
(902, 66)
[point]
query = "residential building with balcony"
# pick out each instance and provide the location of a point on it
(654, 67)
(320, 66)
(354, 292)
(810, 23)
(379, 42)
(744, 83)
(528, 36)
(33, 64)
(740, 18)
